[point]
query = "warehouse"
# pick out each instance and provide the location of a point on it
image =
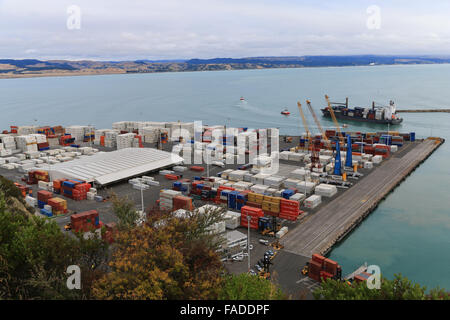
(108, 167)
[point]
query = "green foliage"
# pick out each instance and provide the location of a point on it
(34, 256)
(248, 287)
(400, 288)
(125, 211)
(8, 189)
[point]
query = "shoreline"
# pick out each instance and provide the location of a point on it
(82, 73)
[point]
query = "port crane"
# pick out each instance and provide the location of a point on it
(314, 154)
(333, 116)
(316, 120)
(305, 124)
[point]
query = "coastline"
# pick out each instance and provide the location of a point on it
(122, 72)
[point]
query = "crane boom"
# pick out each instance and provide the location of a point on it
(314, 154)
(305, 124)
(316, 120)
(333, 116)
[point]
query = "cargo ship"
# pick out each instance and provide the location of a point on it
(375, 114)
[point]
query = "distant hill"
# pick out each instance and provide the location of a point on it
(10, 68)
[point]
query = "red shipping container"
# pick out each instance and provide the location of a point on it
(197, 168)
(253, 204)
(254, 212)
(289, 204)
(330, 266)
(314, 269)
(84, 221)
(44, 195)
(181, 202)
(318, 258)
(325, 275)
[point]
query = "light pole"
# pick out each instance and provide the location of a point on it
(249, 218)
(141, 187)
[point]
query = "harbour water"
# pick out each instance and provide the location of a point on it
(408, 233)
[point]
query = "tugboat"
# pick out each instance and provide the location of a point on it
(285, 112)
(375, 114)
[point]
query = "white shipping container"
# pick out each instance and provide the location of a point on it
(313, 201)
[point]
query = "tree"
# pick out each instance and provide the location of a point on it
(400, 288)
(35, 254)
(125, 211)
(165, 258)
(248, 287)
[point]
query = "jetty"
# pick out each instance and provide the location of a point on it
(319, 232)
(423, 110)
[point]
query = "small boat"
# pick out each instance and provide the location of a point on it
(242, 99)
(285, 112)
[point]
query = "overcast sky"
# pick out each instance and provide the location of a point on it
(178, 29)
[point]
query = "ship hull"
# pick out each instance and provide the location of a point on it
(338, 115)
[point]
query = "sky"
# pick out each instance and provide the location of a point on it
(181, 29)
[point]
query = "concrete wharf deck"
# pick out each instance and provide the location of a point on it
(323, 229)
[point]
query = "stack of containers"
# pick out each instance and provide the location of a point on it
(111, 138)
(325, 190)
(255, 200)
(98, 136)
(397, 141)
(41, 140)
(81, 190)
(289, 209)
(125, 140)
(91, 194)
(27, 143)
(291, 183)
(315, 266)
(253, 213)
(306, 187)
(299, 197)
(182, 202)
(57, 184)
(78, 132)
(58, 205)
(43, 196)
(313, 201)
(166, 199)
(75, 189)
(232, 199)
(241, 200)
(271, 205)
(46, 211)
(85, 221)
(232, 219)
(24, 130)
(287, 193)
(258, 188)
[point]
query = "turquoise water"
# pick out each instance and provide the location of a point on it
(409, 232)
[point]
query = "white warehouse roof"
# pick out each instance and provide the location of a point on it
(107, 167)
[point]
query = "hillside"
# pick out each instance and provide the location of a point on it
(11, 68)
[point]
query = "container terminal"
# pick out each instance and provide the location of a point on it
(278, 224)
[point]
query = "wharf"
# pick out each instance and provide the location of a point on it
(319, 232)
(423, 110)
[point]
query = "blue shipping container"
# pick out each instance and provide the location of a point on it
(287, 193)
